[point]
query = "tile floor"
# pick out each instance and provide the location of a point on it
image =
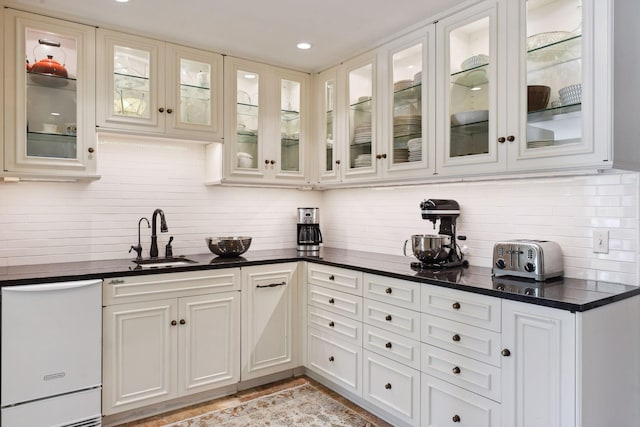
(245, 395)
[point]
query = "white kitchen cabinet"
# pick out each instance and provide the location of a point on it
(169, 335)
(152, 87)
(49, 116)
(492, 55)
(268, 135)
(269, 319)
(329, 87)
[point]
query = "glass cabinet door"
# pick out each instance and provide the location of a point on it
(362, 126)
(247, 119)
(290, 98)
(49, 89)
(554, 73)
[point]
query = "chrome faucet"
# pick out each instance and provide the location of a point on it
(153, 252)
(138, 247)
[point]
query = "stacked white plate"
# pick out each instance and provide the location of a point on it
(363, 160)
(400, 155)
(571, 94)
(407, 125)
(415, 149)
(402, 84)
(362, 133)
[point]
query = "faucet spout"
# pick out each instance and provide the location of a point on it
(153, 252)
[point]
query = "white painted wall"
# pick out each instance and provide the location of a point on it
(43, 222)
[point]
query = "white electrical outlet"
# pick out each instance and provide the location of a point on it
(601, 241)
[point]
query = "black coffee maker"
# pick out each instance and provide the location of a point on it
(309, 235)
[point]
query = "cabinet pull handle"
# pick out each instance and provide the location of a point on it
(174, 323)
(456, 306)
(456, 370)
(388, 291)
(387, 386)
(116, 282)
(332, 301)
(456, 419)
(332, 277)
(456, 337)
(331, 359)
(388, 345)
(182, 321)
(506, 353)
(331, 324)
(169, 111)
(511, 138)
(388, 318)
(271, 285)
(502, 139)
(161, 110)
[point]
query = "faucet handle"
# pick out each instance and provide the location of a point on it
(138, 249)
(168, 250)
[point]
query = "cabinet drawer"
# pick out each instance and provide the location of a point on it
(392, 387)
(392, 318)
(393, 291)
(466, 307)
(393, 346)
(336, 278)
(169, 285)
(336, 302)
(476, 343)
(338, 326)
(336, 360)
(462, 371)
(444, 404)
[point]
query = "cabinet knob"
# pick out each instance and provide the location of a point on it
(387, 386)
(388, 291)
(456, 418)
(273, 162)
(174, 323)
(331, 324)
(511, 138)
(502, 139)
(169, 111)
(161, 110)
(456, 370)
(506, 353)
(331, 359)
(456, 337)
(384, 156)
(332, 301)
(456, 306)
(332, 277)
(182, 321)
(337, 162)
(388, 345)
(388, 318)
(378, 156)
(90, 149)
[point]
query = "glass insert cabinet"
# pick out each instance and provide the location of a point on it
(49, 112)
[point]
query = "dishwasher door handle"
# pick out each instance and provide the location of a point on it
(44, 287)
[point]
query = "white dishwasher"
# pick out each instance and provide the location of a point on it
(51, 354)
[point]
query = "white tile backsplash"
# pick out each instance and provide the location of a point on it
(43, 222)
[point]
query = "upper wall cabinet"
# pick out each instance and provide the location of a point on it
(267, 130)
(528, 98)
(149, 86)
(49, 116)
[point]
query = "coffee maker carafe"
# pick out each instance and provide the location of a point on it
(309, 236)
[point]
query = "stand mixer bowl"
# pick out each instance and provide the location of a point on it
(429, 248)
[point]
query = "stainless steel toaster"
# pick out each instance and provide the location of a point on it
(534, 259)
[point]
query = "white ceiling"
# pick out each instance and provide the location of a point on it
(264, 30)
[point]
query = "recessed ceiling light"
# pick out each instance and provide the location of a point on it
(122, 1)
(476, 88)
(304, 46)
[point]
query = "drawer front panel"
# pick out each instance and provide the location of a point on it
(393, 387)
(338, 326)
(392, 291)
(336, 302)
(392, 318)
(476, 343)
(473, 309)
(462, 371)
(393, 346)
(444, 404)
(336, 360)
(336, 278)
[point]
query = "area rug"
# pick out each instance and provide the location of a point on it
(303, 405)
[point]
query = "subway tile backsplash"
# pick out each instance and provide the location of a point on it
(44, 222)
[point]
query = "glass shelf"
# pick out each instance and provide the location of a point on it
(364, 105)
(289, 115)
(288, 142)
(126, 81)
(552, 113)
(472, 77)
(195, 92)
(52, 82)
(359, 144)
(471, 128)
(409, 93)
(51, 136)
(549, 55)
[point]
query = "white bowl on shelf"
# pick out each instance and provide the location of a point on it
(472, 116)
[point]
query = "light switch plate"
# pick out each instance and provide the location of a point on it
(601, 241)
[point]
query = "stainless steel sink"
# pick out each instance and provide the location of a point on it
(163, 262)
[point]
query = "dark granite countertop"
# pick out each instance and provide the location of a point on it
(565, 294)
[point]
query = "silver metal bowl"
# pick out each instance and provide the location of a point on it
(230, 246)
(429, 247)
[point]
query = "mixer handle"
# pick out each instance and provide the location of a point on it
(462, 237)
(404, 248)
